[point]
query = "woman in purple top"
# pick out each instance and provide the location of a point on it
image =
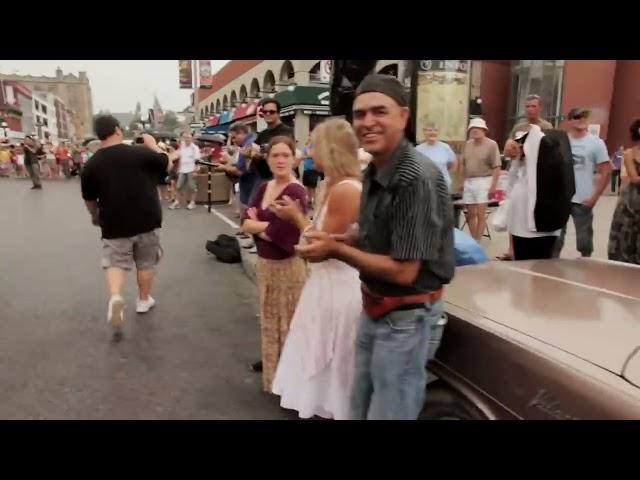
(280, 273)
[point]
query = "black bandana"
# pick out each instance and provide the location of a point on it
(385, 84)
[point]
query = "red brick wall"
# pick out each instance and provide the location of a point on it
(625, 104)
(494, 91)
(230, 72)
(589, 84)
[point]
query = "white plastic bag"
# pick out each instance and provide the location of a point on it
(499, 217)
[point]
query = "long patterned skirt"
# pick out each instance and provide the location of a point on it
(280, 283)
(624, 239)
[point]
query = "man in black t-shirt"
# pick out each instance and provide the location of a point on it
(119, 186)
(270, 110)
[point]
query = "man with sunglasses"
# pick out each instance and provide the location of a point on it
(589, 157)
(270, 110)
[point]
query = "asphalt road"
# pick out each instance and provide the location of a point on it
(186, 359)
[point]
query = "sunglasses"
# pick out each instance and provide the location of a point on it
(269, 112)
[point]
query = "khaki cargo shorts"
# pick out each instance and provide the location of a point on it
(143, 251)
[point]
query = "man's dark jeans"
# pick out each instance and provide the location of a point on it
(583, 221)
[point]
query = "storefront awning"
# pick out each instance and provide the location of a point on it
(307, 96)
(225, 117)
(210, 130)
(213, 121)
(245, 110)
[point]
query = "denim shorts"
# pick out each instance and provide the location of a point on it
(187, 180)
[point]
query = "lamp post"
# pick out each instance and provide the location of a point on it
(4, 126)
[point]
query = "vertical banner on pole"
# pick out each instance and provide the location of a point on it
(206, 73)
(186, 73)
(443, 97)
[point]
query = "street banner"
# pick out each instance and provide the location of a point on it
(325, 70)
(186, 73)
(206, 74)
(443, 98)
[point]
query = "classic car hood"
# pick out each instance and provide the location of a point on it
(588, 308)
(632, 369)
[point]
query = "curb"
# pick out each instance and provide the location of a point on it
(249, 260)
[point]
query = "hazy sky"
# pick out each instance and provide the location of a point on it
(118, 84)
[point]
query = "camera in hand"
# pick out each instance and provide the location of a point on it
(139, 139)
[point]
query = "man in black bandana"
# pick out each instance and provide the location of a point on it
(404, 252)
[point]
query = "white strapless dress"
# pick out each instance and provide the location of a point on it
(316, 367)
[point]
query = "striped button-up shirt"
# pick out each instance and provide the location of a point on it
(406, 213)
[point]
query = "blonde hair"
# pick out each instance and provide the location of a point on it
(335, 146)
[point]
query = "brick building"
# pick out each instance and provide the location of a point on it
(74, 91)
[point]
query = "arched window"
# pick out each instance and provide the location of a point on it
(314, 73)
(254, 90)
(243, 94)
(234, 98)
(218, 106)
(269, 82)
(286, 72)
(391, 69)
(225, 103)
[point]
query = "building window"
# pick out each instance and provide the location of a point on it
(37, 105)
(44, 109)
(537, 77)
(45, 122)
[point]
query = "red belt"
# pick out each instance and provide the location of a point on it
(376, 306)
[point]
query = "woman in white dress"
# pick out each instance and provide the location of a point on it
(316, 368)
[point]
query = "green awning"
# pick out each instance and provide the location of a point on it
(308, 95)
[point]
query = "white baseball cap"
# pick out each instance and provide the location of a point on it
(477, 123)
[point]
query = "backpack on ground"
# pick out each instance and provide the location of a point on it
(225, 248)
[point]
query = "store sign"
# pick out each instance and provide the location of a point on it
(443, 98)
(461, 66)
(185, 70)
(206, 74)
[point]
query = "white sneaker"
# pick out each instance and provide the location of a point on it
(174, 205)
(191, 206)
(143, 306)
(115, 314)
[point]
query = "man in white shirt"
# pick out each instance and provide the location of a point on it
(189, 153)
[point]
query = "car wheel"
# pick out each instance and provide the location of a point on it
(444, 403)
